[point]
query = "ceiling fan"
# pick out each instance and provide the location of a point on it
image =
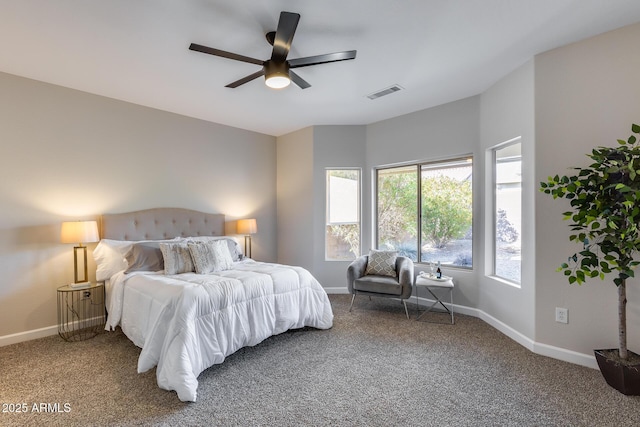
(277, 70)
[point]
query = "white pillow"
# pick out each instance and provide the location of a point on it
(109, 257)
(210, 257)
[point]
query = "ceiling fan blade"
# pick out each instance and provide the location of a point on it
(302, 83)
(246, 79)
(224, 54)
(284, 35)
(322, 59)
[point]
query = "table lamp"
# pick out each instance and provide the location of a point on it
(79, 232)
(247, 227)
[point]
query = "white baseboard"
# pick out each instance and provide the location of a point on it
(559, 353)
(588, 360)
(28, 335)
(565, 355)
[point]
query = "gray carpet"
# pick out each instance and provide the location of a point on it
(373, 368)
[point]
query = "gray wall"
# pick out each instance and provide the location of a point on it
(587, 94)
(334, 147)
(507, 112)
(295, 198)
(442, 132)
(69, 155)
(303, 157)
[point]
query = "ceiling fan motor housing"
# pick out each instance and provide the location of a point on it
(276, 73)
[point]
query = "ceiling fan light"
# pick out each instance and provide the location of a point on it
(276, 74)
(277, 81)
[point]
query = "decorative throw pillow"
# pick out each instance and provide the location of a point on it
(177, 258)
(144, 257)
(382, 263)
(209, 257)
(234, 247)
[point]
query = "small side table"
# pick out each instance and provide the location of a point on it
(81, 312)
(432, 284)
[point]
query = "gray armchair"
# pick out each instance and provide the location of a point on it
(399, 287)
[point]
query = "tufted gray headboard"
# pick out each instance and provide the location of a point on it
(160, 223)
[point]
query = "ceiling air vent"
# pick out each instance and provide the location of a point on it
(384, 92)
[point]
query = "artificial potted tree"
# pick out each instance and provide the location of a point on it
(605, 215)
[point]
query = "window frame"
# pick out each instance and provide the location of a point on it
(327, 221)
(444, 163)
(494, 210)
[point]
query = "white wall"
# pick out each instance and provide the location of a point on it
(70, 155)
(507, 112)
(587, 94)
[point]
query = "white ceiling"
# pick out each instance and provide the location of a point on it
(437, 50)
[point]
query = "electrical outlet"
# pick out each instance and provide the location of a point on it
(562, 315)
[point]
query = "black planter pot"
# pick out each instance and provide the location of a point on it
(624, 378)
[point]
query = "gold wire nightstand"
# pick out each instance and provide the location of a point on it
(81, 313)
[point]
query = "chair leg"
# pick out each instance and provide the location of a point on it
(451, 291)
(405, 308)
(352, 299)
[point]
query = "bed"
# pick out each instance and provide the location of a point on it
(186, 318)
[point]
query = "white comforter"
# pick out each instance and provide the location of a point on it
(188, 322)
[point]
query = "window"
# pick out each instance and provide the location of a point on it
(342, 236)
(425, 211)
(507, 159)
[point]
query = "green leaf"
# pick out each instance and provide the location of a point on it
(635, 128)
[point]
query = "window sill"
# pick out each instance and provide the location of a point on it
(505, 281)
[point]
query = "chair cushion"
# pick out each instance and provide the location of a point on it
(378, 285)
(382, 263)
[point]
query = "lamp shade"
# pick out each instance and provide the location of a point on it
(247, 226)
(79, 232)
